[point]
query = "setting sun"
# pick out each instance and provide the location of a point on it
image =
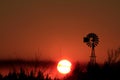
(64, 66)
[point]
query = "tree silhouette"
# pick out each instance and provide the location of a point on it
(113, 56)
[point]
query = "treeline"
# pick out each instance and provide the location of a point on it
(110, 70)
(96, 72)
(91, 72)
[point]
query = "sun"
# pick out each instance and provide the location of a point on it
(64, 66)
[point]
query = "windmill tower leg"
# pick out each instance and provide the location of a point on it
(93, 57)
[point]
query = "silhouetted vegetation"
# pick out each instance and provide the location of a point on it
(23, 73)
(113, 56)
(96, 72)
(23, 76)
(110, 70)
(92, 72)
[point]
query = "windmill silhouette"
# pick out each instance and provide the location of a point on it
(92, 41)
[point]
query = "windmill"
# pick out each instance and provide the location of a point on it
(92, 41)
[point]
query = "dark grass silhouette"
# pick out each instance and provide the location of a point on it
(93, 72)
(110, 70)
(22, 76)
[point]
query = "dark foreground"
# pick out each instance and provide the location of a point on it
(90, 72)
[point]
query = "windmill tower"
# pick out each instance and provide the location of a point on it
(92, 41)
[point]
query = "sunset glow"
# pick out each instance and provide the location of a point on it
(64, 66)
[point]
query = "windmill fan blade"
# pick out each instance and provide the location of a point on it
(91, 39)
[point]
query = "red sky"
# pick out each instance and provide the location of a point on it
(57, 28)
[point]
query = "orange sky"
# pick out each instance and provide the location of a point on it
(57, 28)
